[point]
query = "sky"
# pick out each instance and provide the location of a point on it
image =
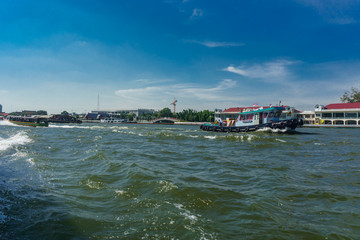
(62, 54)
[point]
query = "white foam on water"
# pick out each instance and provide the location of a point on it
(31, 161)
(210, 137)
(120, 192)
(68, 126)
(18, 139)
(166, 186)
(186, 213)
(7, 123)
(280, 140)
(267, 129)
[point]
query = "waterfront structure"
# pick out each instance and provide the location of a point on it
(111, 113)
(307, 116)
(0, 108)
(340, 114)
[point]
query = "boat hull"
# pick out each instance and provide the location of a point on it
(284, 124)
(30, 124)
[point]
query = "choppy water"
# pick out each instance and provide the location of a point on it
(177, 182)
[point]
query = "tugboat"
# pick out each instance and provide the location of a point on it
(253, 119)
(28, 121)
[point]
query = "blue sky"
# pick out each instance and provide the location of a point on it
(59, 55)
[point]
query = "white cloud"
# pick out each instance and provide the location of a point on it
(190, 95)
(269, 71)
(334, 11)
(197, 13)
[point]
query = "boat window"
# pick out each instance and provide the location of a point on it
(265, 114)
(277, 114)
(271, 114)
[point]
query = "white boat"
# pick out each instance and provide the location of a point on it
(252, 119)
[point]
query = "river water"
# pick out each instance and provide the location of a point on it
(134, 181)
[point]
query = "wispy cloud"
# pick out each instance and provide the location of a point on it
(146, 81)
(267, 71)
(196, 13)
(335, 11)
(193, 94)
(213, 44)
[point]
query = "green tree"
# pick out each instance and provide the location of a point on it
(351, 96)
(64, 113)
(41, 112)
(131, 116)
(166, 112)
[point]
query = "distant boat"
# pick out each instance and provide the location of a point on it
(254, 119)
(28, 121)
(57, 118)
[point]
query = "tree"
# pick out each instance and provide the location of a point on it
(64, 113)
(41, 112)
(131, 116)
(351, 96)
(166, 112)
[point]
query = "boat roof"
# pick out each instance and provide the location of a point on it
(263, 110)
(236, 110)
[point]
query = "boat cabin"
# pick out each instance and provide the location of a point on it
(249, 116)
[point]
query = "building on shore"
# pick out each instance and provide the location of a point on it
(347, 114)
(308, 117)
(0, 108)
(111, 113)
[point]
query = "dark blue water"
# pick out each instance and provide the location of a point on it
(178, 182)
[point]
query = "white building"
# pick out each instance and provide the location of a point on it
(137, 112)
(347, 114)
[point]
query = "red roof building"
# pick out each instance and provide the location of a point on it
(345, 114)
(355, 105)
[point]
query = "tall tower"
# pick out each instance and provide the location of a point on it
(98, 103)
(174, 103)
(0, 108)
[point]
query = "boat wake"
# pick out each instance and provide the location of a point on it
(69, 126)
(273, 130)
(7, 123)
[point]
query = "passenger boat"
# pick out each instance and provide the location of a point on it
(58, 118)
(28, 121)
(252, 119)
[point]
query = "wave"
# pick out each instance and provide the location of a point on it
(18, 139)
(7, 123)
(68, 126)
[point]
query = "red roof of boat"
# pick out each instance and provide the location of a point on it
(343, 105)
